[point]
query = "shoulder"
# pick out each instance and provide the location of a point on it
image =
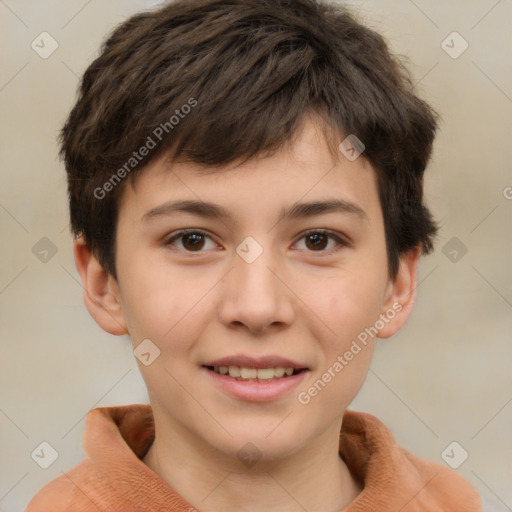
(370, 448)
(62, 495)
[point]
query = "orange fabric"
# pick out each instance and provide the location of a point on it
(113, 478)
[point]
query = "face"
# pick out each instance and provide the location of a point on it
(285, 268)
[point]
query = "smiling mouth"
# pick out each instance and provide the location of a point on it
(245, 374)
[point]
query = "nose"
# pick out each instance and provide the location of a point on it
(256, 295)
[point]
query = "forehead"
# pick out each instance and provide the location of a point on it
(303, 172)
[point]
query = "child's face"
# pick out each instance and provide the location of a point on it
(304, 299)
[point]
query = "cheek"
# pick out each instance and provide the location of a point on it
(163, 306)
(346, 348)
(352, 304)
(348, 311)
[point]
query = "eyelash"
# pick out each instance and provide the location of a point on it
(341, 242)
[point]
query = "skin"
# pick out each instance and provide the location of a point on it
(296, 300)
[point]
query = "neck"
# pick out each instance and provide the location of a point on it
(313, 478)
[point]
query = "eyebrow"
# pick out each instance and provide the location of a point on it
(215, 211)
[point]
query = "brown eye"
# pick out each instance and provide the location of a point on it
(193, 242)
(317, 241)
(190, 241)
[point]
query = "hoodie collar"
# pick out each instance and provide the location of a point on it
(117, 438)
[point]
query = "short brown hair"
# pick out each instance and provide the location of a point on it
(247, 71)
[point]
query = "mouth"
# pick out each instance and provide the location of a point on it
(250, 374)
(256, 378)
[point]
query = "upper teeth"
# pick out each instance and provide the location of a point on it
(242, 372)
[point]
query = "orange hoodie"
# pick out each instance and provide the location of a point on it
(113, 478)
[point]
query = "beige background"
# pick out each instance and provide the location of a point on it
(445, 377)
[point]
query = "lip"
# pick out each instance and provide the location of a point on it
(270, 361)
(256, 391)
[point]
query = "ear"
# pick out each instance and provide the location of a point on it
(101, 291)
(400, 295)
